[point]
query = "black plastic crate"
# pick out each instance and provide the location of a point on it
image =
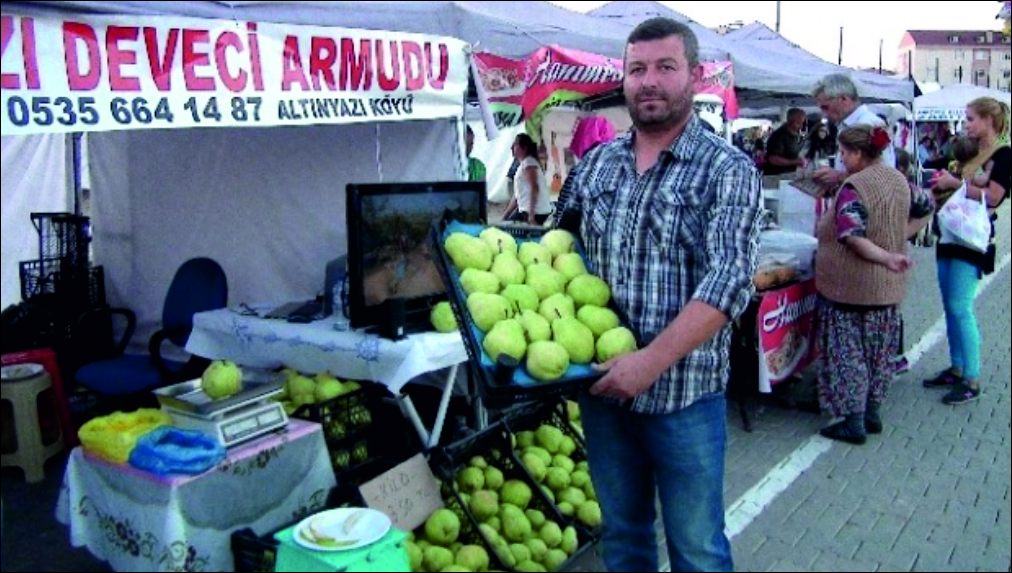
(63, 236)
(494, 444)
(552, 414)
(347, 417)
(256, 554)
(521, 388)
(62, 287)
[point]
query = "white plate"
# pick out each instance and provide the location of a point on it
(352, 528)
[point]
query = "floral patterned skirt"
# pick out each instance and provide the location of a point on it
(858, 348)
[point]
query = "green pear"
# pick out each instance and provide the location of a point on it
(550, 439)
(571, 265)
(484, 505)
(301, 386)
(573, 496)
(579, 479)
(589, 290)
(570, 541)
(547, 361)
(468, 252)
(487, 310)
(538, 549)
(495, 523)
(328, 388)
(522, 296)
(536, 327)
(614, 343)
(568, 447)
(499, 241)
(507, 337)
(479, 281)
(583, 467)
(563, 462)
(443, 319)
(516, 493)
(478, 462)
(471, 480)
(509, 270)
(520, 552)
(525, 440)
(489, 532)
(589, 491)
(493, 479)
(567, 509)
(437, 558)
(505, 555)
(535, 466)
(541, 453)
(551, 534)
(536, 518)
(222, 379)
(548, 493)
(530, 567)
(532, 253)
(589, 514)
(576, 338)
(473, 558)
(559, 242)
(557, 306)
(555, 559)
(545, 281)
(598, 320)
(557, 479)
(515, 525)
(456, 569)
(415, 556)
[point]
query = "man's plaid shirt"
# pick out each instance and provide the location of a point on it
(686, 230)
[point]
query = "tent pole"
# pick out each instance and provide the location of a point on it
(76, 155)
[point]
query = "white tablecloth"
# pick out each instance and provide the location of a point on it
(326, 345)
(139, 522)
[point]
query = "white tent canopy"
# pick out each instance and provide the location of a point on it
(949, 104)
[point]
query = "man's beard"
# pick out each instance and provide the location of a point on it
(666, 114)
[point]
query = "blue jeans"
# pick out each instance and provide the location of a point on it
(633, 457)
(959, 282)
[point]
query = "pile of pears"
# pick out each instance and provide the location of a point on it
(548, 453)
(302, 390)
(536, 302)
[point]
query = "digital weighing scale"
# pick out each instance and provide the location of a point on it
(231, 421)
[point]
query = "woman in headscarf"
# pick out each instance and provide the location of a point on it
(960, 269)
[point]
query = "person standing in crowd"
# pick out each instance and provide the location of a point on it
(861, 277)
(821, 146)
(838, 99)
(589, 133)
(531, 202)
(960, 269)
(783, 150)
(476, 170)
(670, 220)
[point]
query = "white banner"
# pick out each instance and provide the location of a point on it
(102, 74)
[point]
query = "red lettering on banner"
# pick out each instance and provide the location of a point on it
(321, 63)
(392, 82)
(192, 60)
(254, 56)
(236, 83)
(28, 51)
(437, 82)
(83, 35)
(293, 72)
(119, 57)
(161, 68)
(356, 69)
(414, 74)
(7, 81)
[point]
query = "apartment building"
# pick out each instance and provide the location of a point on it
(981, 58)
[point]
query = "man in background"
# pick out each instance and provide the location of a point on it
(783, 151)
(476, 170)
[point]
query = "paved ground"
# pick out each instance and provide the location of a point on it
(931, 494)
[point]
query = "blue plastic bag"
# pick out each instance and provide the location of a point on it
(171, 451)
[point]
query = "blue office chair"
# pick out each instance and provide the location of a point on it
(200, 285)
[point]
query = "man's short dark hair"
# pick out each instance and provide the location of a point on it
(796, 113)
(661, 28)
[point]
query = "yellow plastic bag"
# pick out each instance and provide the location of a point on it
(113, 438)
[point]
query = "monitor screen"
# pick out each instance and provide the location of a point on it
(388, 240)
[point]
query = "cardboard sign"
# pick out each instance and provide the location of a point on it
(408, 494)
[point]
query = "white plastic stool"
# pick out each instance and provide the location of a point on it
(21, 385)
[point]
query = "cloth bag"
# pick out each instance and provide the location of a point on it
(965, 222)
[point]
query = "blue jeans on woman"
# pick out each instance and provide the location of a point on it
(680, 456)
(959, 281)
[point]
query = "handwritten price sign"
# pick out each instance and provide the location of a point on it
(408, 494)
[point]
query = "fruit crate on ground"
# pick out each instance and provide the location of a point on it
(258, 554)
(546, 428)
(531, 520)
(501, 388)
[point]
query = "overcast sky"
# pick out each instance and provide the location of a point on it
(816, 25)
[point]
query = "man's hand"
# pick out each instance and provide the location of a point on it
(829, 177)
(627, 377)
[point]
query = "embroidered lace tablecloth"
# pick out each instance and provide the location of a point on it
(140, 522)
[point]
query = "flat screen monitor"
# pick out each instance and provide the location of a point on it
(388, 245)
